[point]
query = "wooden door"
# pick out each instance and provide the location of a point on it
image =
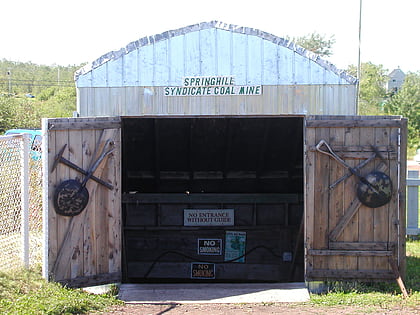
(345, 239)
(84, 249)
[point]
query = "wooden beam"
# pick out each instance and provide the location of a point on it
(359, 253)
(352, 123)
(402, 197)
(324, 274)
(210, 198)
(342, 149)
(79, 123)
(85, 281)
(156, 152)
(345, 219)
(359, 245)
(228, 145)
(260, 163)
(400, 282)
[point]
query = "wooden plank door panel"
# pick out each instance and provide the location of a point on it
(84, 249)
(343, 237)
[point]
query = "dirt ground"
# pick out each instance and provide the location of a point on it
(234, 309)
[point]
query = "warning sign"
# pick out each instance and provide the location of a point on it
(207, 246)
(204, 217)
(202, 270)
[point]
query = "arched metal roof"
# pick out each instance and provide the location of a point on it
(211, 48)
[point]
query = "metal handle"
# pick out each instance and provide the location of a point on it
(331, 153)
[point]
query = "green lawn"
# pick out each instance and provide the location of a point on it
(381, 294)
(26, 292)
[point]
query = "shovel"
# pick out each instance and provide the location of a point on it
(71, 196)
(373, 190)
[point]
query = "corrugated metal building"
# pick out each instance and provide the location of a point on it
(132, 81)
(218, 167)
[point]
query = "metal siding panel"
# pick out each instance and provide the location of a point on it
(100, 75)
(191, 54)
(82, 100)
(208, 54)
(161, 67)
(255, 60)
(115, 72)
(132, 100)
(239, 58)
(301, 68)
(331, 78)
(224, 52)
(117, 104)
(283, 99)
(176, 60)
(285, 69)
(316, 73)
(84, 80)
(90, 102)
(130, 69)
(270, 63)
(146, 61)
(101, 105)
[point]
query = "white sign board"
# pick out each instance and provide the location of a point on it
(214, 217)
(211, 86)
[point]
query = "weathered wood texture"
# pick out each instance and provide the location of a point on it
(344, 238)
(158, 245)
(84, 249)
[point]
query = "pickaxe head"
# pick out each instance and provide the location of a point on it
(378, 154)
(57, 158)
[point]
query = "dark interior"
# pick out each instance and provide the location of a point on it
(253, 165)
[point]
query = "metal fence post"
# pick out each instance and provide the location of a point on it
(413, 203)
(25, 199)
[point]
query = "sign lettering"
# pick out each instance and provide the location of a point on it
(211, 86)
(202, 217)
(209, 246)
(202, 271)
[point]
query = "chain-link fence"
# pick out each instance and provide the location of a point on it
(20, 202)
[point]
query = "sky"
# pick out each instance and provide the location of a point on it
(72, 32)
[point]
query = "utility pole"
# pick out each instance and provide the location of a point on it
(9, 76)
(359, 62)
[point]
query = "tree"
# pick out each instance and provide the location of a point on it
(372, 90)
(407, 103)
(316, 43)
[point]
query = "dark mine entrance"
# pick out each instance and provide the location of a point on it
(216, 199)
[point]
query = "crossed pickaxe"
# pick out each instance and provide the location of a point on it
(59, 159)
(361, 165)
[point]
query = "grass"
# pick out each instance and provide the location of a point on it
(378, 294)
(26, 292)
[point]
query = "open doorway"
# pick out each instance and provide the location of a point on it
(212, 199)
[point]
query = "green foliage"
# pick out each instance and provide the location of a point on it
(316, 43)
(372, 93)
(32, 78)
(18, 113)
(60, 103)
(53, 87)
(25, 292)
(6, 113)
(407, 103)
